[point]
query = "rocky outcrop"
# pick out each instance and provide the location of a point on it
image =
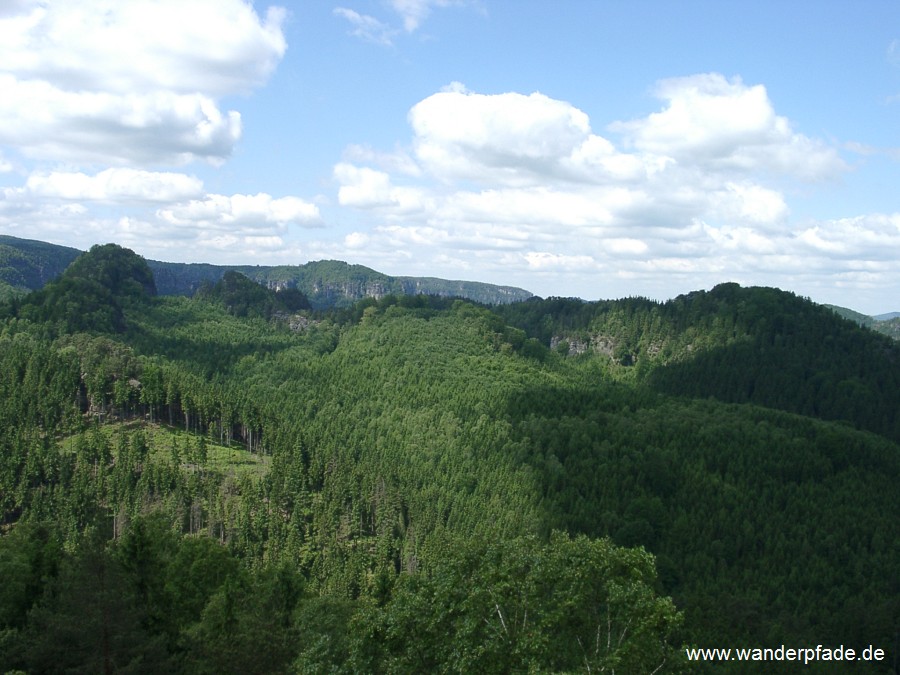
(597, 344)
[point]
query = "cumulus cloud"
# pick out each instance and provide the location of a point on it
(242, 213)
(724, 124)
(515, 185)
(114, 185)
(215, 46)
(130, 82)
(163, 214)
(505, 137)
(536, 164)
(367, 188)
(873, 237)
(97, 127)
(113, 90)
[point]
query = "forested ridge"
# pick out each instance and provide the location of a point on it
(236, 483)
(27, 265)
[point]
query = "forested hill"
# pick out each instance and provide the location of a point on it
(416, 484)
(888, 324)
(742, 345)
(332, 283)
(27, 265)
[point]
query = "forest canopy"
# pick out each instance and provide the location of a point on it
(418, 484)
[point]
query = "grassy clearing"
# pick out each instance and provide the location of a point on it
(170, 444)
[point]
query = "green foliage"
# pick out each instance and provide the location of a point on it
(120, 270)
(756, 517)
(243, 615)
(419, 484)
(9, 293)
(889, 327)
(27, 265)
(885, 324)
(243, 297)
(740, 345)
(93, 293)
(88, 621)
(522, 606)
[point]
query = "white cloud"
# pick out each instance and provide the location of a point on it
(501, 138)
(547, 176)
(367, 27)
(213, 46)
(543, 260)
(748, 203)
(96, 92)
(398, 161)
(518, 187)
(740, 239)
(130, 82)
(873, 237)
(537, 206)
(356, 240)
(162, 215)
(98, 127)
(367, 188)
(242, 213)
(724, 124)
(626, 247)
(115, 185)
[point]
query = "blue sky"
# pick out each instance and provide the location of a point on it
(581, 148)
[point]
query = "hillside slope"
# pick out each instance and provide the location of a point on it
(26, 264)
(887, 324)
(436, 489)
(740, 345)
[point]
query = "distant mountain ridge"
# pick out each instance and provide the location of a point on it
(330, 283)
(887, 324)
(27, 265)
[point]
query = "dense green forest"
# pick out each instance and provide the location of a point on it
(27, 265)
(234, 482)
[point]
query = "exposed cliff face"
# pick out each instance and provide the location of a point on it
(29, 265)
(487, 293)
(330, 293)
(332, 283)
(277, 286)
(597, 344)
(183, 278)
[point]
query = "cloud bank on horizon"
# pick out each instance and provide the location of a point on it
(115, 116)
